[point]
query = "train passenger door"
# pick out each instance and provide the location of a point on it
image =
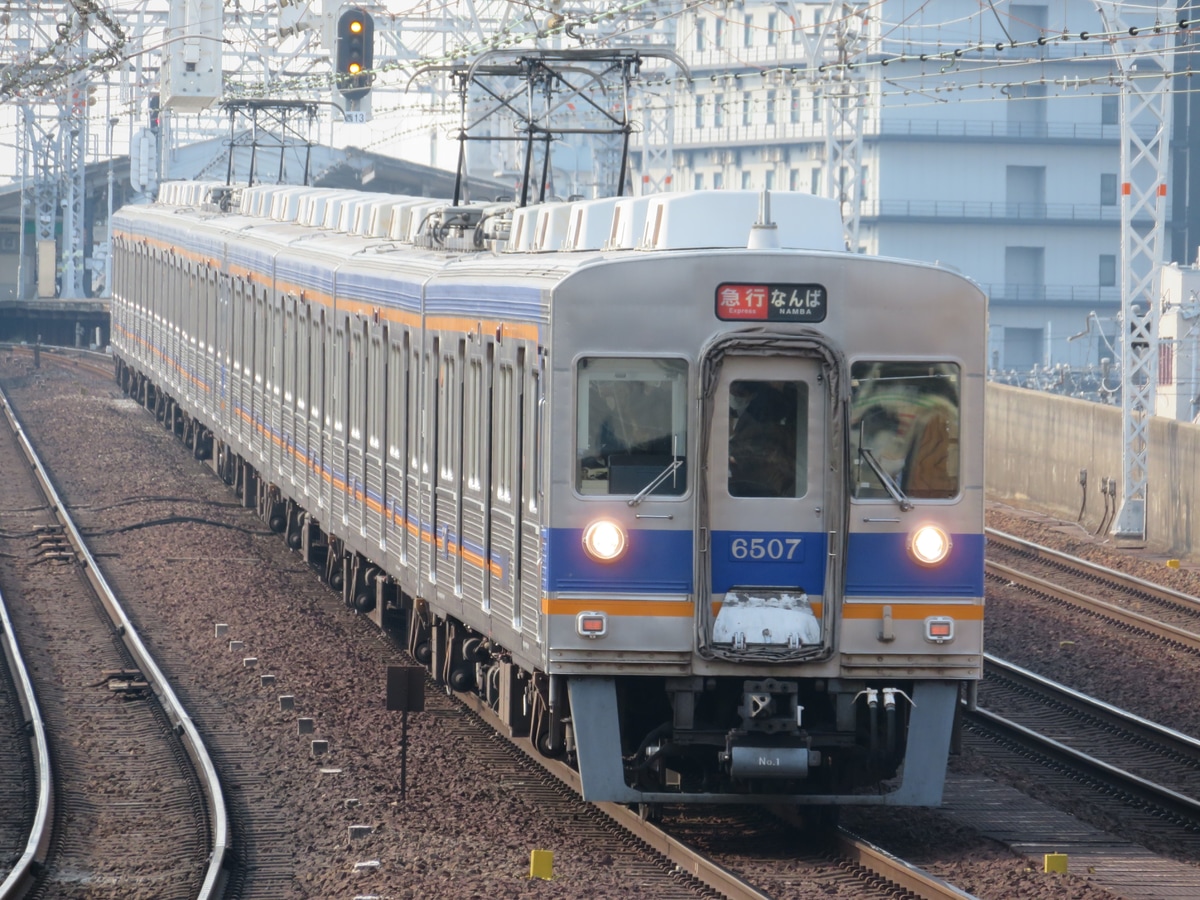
(767, 506)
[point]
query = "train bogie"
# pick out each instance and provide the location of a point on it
(705, 519)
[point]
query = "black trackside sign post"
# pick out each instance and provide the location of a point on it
(405, 694)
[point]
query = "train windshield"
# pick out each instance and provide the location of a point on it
(904, 426)
(631, 426)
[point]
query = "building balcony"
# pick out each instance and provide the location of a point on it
(1042, 294)
(878, 130)
(999, 213)
(990, 131)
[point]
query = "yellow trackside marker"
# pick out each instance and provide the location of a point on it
(541, 864)
(1172, 564)
(1056, 862)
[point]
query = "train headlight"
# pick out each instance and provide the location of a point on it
(604, 540)
(929, 545)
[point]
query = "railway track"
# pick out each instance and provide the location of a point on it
(663, 864)
(1131, 603)
(783, 847)
(1149, 766)
(94, 362)
(121, 764)
(1119, 765)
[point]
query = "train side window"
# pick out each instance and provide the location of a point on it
(537, 405)
(448, 438)
(397, 411)
(904, 421)
(289, 352)
(415, 434)
(505, 446)
(631, 425)
(260, 336)
(472, 423)
(357, 385)
(239, 302)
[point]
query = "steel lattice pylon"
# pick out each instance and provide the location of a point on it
(832, 52)
(1145, 131)
(658, 142)
(72, 135)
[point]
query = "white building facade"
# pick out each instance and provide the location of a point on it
(995, 154)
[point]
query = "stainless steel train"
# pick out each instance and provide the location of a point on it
(686, 492)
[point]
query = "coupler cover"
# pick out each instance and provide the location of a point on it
(772, 762)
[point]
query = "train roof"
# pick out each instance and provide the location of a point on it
(677, 221)
(383, 248)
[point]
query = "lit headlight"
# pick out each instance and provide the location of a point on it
(604, 540)
(929, 545)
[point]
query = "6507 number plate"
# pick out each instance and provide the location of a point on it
(766, 548)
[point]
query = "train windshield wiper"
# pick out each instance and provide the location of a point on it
(886, 480)
(662, 476)
(675, 463)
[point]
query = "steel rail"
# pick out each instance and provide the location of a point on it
(1151, 731)
(688, 860)
(853, 848)
(21, 876)
(1132, 582)
(896, 870)
(214, 879)
(1143, 788)
(1185, 638)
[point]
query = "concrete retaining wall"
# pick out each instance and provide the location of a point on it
(1037, 443)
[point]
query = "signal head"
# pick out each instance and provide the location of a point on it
(354, 53)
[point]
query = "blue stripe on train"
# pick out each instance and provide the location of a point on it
(768, 558)
(879, 566)
(661, 562)
(658, 562)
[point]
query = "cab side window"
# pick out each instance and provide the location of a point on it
(904, 421)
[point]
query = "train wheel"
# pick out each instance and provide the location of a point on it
(364, 601)
(335, 579)
(650, 812)
(462, 678)
(546, 747)
(423, 653)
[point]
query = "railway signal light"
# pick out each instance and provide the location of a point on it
(354, 53)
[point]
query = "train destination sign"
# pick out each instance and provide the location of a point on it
(772, 302)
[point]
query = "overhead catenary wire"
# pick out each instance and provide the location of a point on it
(924, 44)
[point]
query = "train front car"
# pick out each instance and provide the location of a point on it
(764, 560)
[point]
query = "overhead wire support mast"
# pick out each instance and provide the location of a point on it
(833, 53)
(548, 80)
(1145, 122)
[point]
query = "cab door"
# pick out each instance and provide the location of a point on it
(768, 546)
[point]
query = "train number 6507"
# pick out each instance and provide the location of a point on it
(766, 548)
